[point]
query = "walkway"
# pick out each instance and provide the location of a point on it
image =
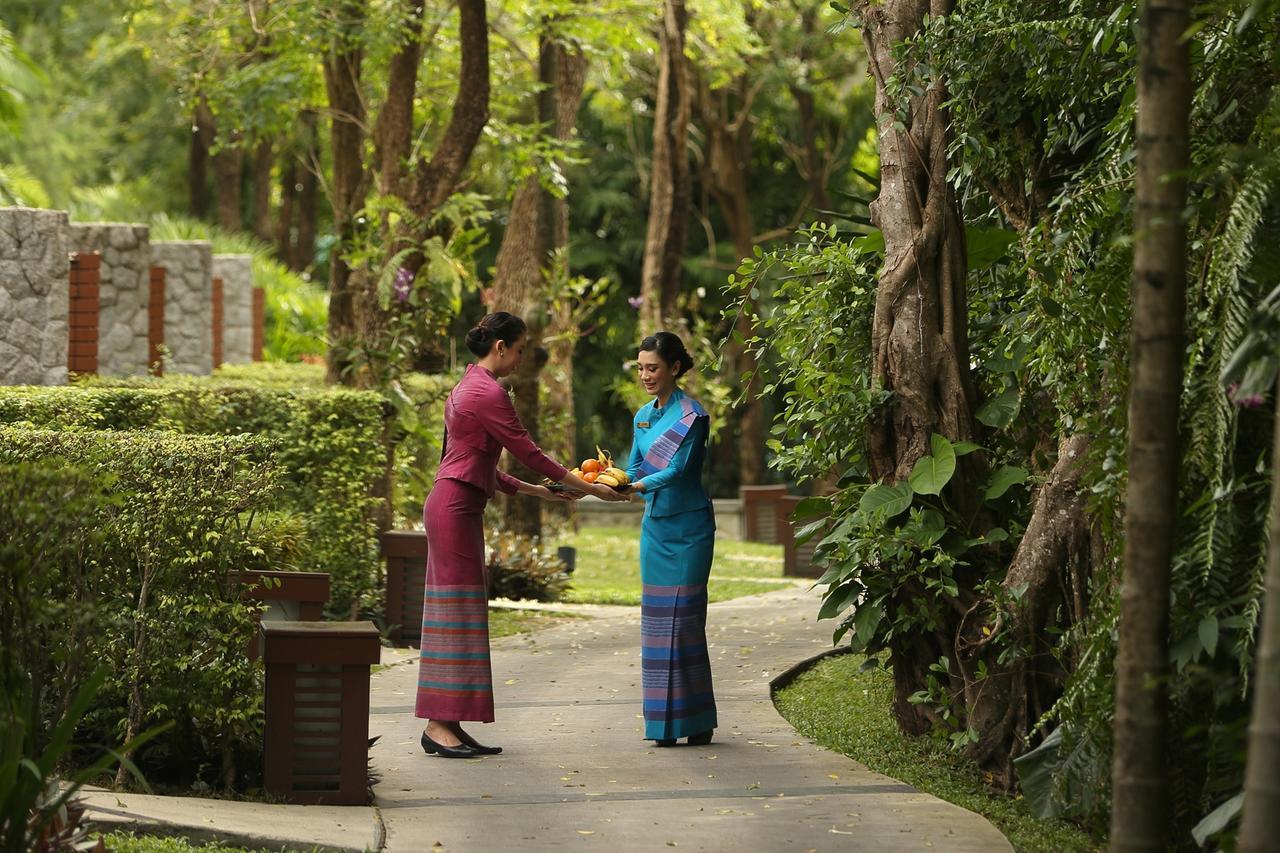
(577, 775)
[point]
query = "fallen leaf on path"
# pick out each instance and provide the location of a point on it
(833, 775)
(586, 832)
(835, 831)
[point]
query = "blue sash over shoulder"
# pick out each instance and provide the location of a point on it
(664, 448)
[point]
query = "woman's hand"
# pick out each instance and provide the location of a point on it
(607, 493)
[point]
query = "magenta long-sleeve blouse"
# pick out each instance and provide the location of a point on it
(479, 422)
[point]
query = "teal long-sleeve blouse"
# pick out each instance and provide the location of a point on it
(678, 487)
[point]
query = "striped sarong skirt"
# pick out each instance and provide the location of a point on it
(675, 562)
(455, 682)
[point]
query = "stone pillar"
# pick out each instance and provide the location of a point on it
(188, 286)
(236, 272)
(124, 292)
(34, 294)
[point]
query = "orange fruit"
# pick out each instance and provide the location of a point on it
(590, 476)
(591, 466)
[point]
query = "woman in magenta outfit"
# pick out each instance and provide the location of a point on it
(454, 679)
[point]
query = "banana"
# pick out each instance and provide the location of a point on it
(619, 475)
(607, 480)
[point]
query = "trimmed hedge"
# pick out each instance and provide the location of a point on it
(328, 445)
(130, 570)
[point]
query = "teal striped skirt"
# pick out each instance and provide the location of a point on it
(675, 562)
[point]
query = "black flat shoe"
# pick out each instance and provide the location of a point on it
(666, 741)
(476, 747)
(430, 747)
(701, 739)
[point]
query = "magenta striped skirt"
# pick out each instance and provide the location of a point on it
(454, 678)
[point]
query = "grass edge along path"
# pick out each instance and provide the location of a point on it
(504, 622)
(847, 711)
(127, 842)
(608, 570)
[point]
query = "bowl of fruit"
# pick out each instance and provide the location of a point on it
(598, 470)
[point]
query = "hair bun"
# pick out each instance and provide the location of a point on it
(480, 335)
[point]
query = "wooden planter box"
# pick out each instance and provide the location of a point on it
(797, 559)
(762, 519)
(405, 552)
(317, 710)
(293, 597)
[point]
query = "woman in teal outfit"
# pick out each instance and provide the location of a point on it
(677, 540)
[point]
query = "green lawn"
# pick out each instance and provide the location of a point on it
(848, 711)
(127, 842)
(504, 623)
(608, 570)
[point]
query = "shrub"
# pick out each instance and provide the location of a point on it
(328, 445)
(521, 567)
(139, 583)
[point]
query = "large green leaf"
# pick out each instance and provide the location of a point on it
(1008, 358)
(811, 508)
(1002, 479)
(1208, 631)
(999, 412)
(985, 246)
(873, 242)
(866, 619)
(931, 473)
(926, 528)
(891, 500)
(838, 600)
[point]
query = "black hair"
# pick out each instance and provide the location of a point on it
(670, 349)
(498, 326)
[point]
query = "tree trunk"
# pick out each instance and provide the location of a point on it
(729, 157)
(198, 168)
(1052, 567)
(1260, 826)
(343, 68)
(560, 437)
(1140, 785)
(519, 285)
(356, 320)
(228, 172)
(815, 165)
(920, 324)
(133, 725)
(263, 160)
(227, 165)
(669, 190)
(288, 210)
(304, 250)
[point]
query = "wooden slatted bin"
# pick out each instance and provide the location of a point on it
(797, 560)
(762, 513)
(317, 710)
(406, 554)
(291, 597)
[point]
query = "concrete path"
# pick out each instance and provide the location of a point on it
(577, 775)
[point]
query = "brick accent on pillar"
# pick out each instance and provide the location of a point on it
(82, 319)
(259, 313)
(155, 322)
(217, 322)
